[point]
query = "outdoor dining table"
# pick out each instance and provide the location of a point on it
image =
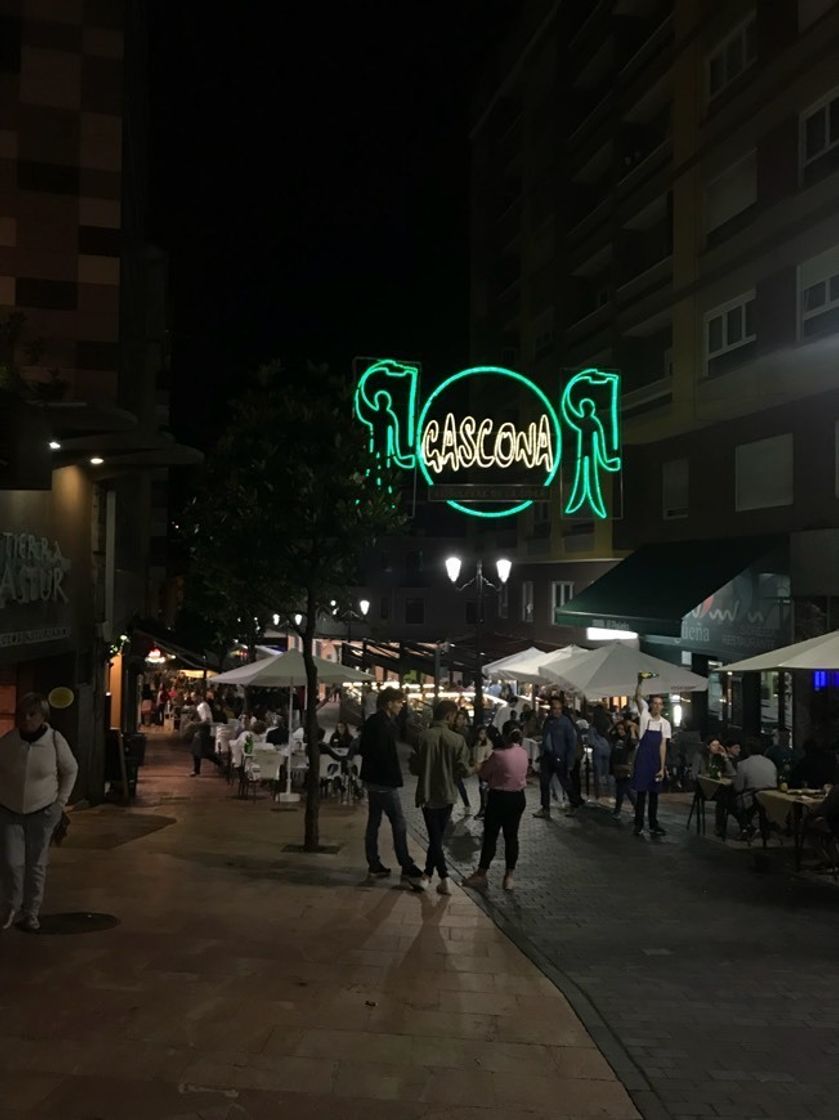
(780, 806)
(707, 789)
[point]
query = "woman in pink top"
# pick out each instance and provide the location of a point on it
(505, 772)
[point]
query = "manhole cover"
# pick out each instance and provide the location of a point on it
(77, 923)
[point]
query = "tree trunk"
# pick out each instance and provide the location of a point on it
(311, 839)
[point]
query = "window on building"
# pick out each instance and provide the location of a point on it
(675, 486)
(730, 57)
(764, 473)
(730, 194)
(504, 601)
(527, 601)
(729, 328)
(562, 592)
(820, 128)
(413, 564)
(384, 608)
(415, 611)
(811, 10)
(818, 282)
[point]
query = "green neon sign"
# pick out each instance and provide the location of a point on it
(497, 465)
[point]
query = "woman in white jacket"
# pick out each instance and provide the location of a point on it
(37, 774)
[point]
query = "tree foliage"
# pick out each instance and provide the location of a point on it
(287, 509)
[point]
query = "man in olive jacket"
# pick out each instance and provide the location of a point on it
(439, 760)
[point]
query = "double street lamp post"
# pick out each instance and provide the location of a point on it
(481, 583)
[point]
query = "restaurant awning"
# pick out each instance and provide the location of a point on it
(653, 589)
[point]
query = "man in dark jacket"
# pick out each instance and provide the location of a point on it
(559, 749)
(382, 778)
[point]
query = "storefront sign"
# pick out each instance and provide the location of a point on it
(32, 570)
(488, 440)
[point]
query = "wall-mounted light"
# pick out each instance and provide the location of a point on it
(298, 618)
(364, 606)
(276, 620)
(55, 445)
(95, 461)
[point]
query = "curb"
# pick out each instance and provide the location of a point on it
(625, 1068)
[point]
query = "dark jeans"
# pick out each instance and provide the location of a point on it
(504, 810)
(386, 802)
(436, 823)
(549, 765)
(464, 796)
(623, 789)
(640, 804)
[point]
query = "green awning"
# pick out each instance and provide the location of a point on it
(653, 589)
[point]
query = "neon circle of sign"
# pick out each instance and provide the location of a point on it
(589, 406)
(550, 413)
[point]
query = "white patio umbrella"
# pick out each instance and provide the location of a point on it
(814, 653)
(612, 670)
(500, 670)
(526, 665)
(288, 670)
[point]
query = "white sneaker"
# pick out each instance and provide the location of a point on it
(8, 919)
(444, 887)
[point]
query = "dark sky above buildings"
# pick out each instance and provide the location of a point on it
(309, 180)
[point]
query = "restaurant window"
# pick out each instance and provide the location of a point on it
(731, 57)
(763, 471)
(728, 330)
(562, 592)
(504, 601)
(729, 195)
(8, 700)
(675, 484)
(818, 283)
(820, 128)
(415, 611)
(527, 601)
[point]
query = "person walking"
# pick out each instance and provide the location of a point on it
(440, 761)
(650, 760)
(622, 762)
(505, 773)
(599, 737)
(461, 726)
(559, 749)
(382, 778)
(37, 774)
(202, 735)
(481, 751)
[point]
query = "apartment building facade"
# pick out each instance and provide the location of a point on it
(85, 451)
(653, 188)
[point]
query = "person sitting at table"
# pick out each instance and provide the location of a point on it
(822, 827)
(721, 765)
(340, 739)
(816, 769)
(755, 772)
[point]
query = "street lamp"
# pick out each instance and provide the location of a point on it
(503, 567)
(364, 607)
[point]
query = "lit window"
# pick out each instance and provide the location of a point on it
(728, 328)
(728, 60)
(527, 601)
(818, 282)
(562, 592)
(820, 128)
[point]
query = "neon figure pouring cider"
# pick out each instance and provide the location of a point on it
(485, 464)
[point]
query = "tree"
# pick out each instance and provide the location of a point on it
(289, 507)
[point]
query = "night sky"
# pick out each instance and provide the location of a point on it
(310, 182)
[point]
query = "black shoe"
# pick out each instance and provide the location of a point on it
(378, 872)
(479, 816)
(657, 830)
(616, 812)
(637, 831)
